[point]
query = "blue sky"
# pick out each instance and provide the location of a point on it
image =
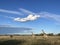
(32, 14)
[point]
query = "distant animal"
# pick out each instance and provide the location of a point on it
(44, 34)
(11, 36)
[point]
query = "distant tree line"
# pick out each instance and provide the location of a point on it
(49, 34)
(41, 34)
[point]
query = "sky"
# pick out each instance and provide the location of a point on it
(26, 16)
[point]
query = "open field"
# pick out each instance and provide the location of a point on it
(28, 40)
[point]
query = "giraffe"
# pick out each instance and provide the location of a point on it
(32, 34)
(44, 34)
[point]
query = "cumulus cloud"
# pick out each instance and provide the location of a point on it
(31, 15)
(45, 15)
(28, 18)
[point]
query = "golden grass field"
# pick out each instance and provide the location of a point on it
(29, 40)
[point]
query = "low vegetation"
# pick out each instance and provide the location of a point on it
(28, 40)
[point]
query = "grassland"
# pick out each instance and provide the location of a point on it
(28, 40)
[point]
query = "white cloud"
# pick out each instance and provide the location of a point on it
(26, 11)
(28, 18)
(8, 29)
(7, 17)
(31, 15)
(50, 16)
(46, 15)
(5, 25)
(9, 11)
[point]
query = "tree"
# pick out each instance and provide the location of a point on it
(50, 34)
(58, 34)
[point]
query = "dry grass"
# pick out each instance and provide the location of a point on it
(28, 40)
